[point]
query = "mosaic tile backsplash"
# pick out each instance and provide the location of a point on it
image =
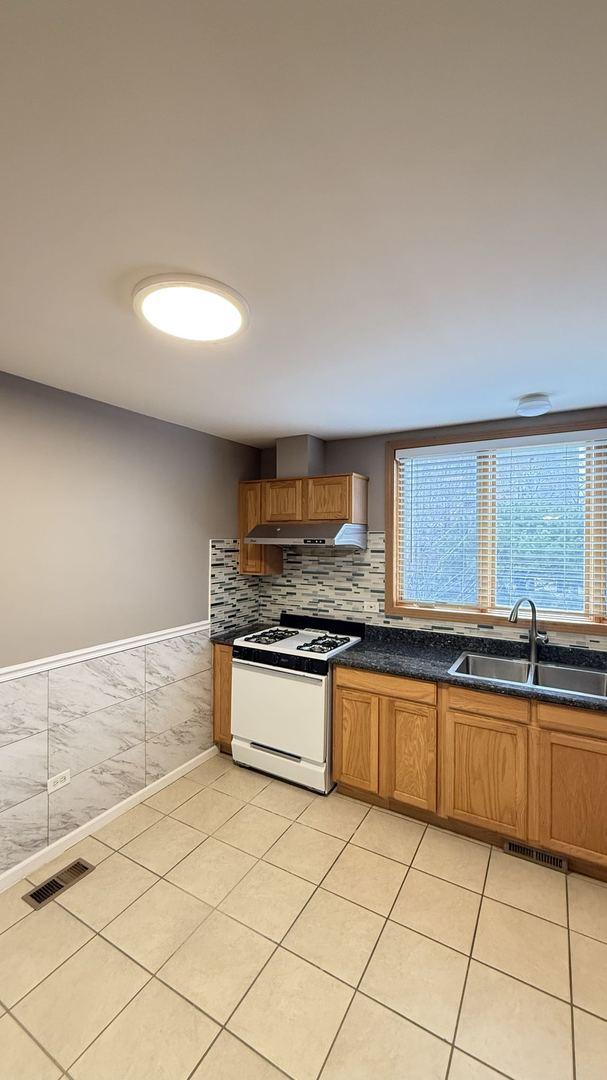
(233, 597)
(118, 722)
(343, 585)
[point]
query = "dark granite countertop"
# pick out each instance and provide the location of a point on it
(421, 654)
(228, 637)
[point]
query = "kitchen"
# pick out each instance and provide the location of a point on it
(303, 431)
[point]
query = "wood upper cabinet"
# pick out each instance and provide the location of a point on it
(254, 558)
(315, 498)
(336, 498)
(249, 513)
(282, 500)
(573, 795)
(356, 739)
(408, 753)
(222, 696)
(485, 772)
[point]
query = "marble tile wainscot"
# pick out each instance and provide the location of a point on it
(119, 720)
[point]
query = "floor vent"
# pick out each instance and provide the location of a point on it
(522, 851)
(42, 894)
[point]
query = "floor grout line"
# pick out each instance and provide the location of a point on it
(570, 980)
(370, 957)
(279, 944)
(465, 983)
(40, 1045)
(152, 974)
(498, 1072)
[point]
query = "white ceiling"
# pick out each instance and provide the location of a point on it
(411, 195)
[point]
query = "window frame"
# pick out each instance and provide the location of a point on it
(565, 423)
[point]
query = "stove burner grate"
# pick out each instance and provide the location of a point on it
(324, 644)
(271, 636)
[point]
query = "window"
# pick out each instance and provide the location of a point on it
(477, 526)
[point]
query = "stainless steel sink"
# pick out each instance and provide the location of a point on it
(499, 669)
(493, 668)
(574, 680)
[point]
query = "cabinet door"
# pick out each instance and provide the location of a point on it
(328, 498)
(408, 753)
(249, 513)
(486, 766)
(356, 739)
(254, 558)
(222, 695)
(282, 500)
(573, 795)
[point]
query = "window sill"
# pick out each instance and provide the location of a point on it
(485, 618)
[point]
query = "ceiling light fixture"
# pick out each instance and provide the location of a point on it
(191, 307)
(533, 405)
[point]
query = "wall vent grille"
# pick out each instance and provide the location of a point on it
(545, 858)
(58, 883)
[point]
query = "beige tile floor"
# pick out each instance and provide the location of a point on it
(306, 937)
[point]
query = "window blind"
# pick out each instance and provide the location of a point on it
(478, 528)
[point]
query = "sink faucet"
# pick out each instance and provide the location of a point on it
(535, 635)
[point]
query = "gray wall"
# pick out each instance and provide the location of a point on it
(267, 466)
(105, 520)
(366, 456)
(300, 455)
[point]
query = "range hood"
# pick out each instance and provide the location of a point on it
(315, 534)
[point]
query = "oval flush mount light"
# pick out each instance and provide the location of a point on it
(191, 307)
(533, 405)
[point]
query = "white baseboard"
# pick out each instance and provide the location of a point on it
(16, 873)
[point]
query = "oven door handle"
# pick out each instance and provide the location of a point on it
(278, 670)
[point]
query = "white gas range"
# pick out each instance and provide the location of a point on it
(281, 697)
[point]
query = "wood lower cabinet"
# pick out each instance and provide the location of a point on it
(385, 744)
(573, 795)
(531, 772)
(356, 738)
(408, 753)
(222, 696)
(485, 764)
(282, 500)
(254, 558)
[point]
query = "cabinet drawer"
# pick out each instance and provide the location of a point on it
(580, 721)
(390, 685)
(501, 706)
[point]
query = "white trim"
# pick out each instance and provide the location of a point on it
(32, 667)
(16, 873)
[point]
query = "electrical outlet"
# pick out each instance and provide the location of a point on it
(58, 781)
(370, 605)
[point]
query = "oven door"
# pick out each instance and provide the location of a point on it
(283, 710)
